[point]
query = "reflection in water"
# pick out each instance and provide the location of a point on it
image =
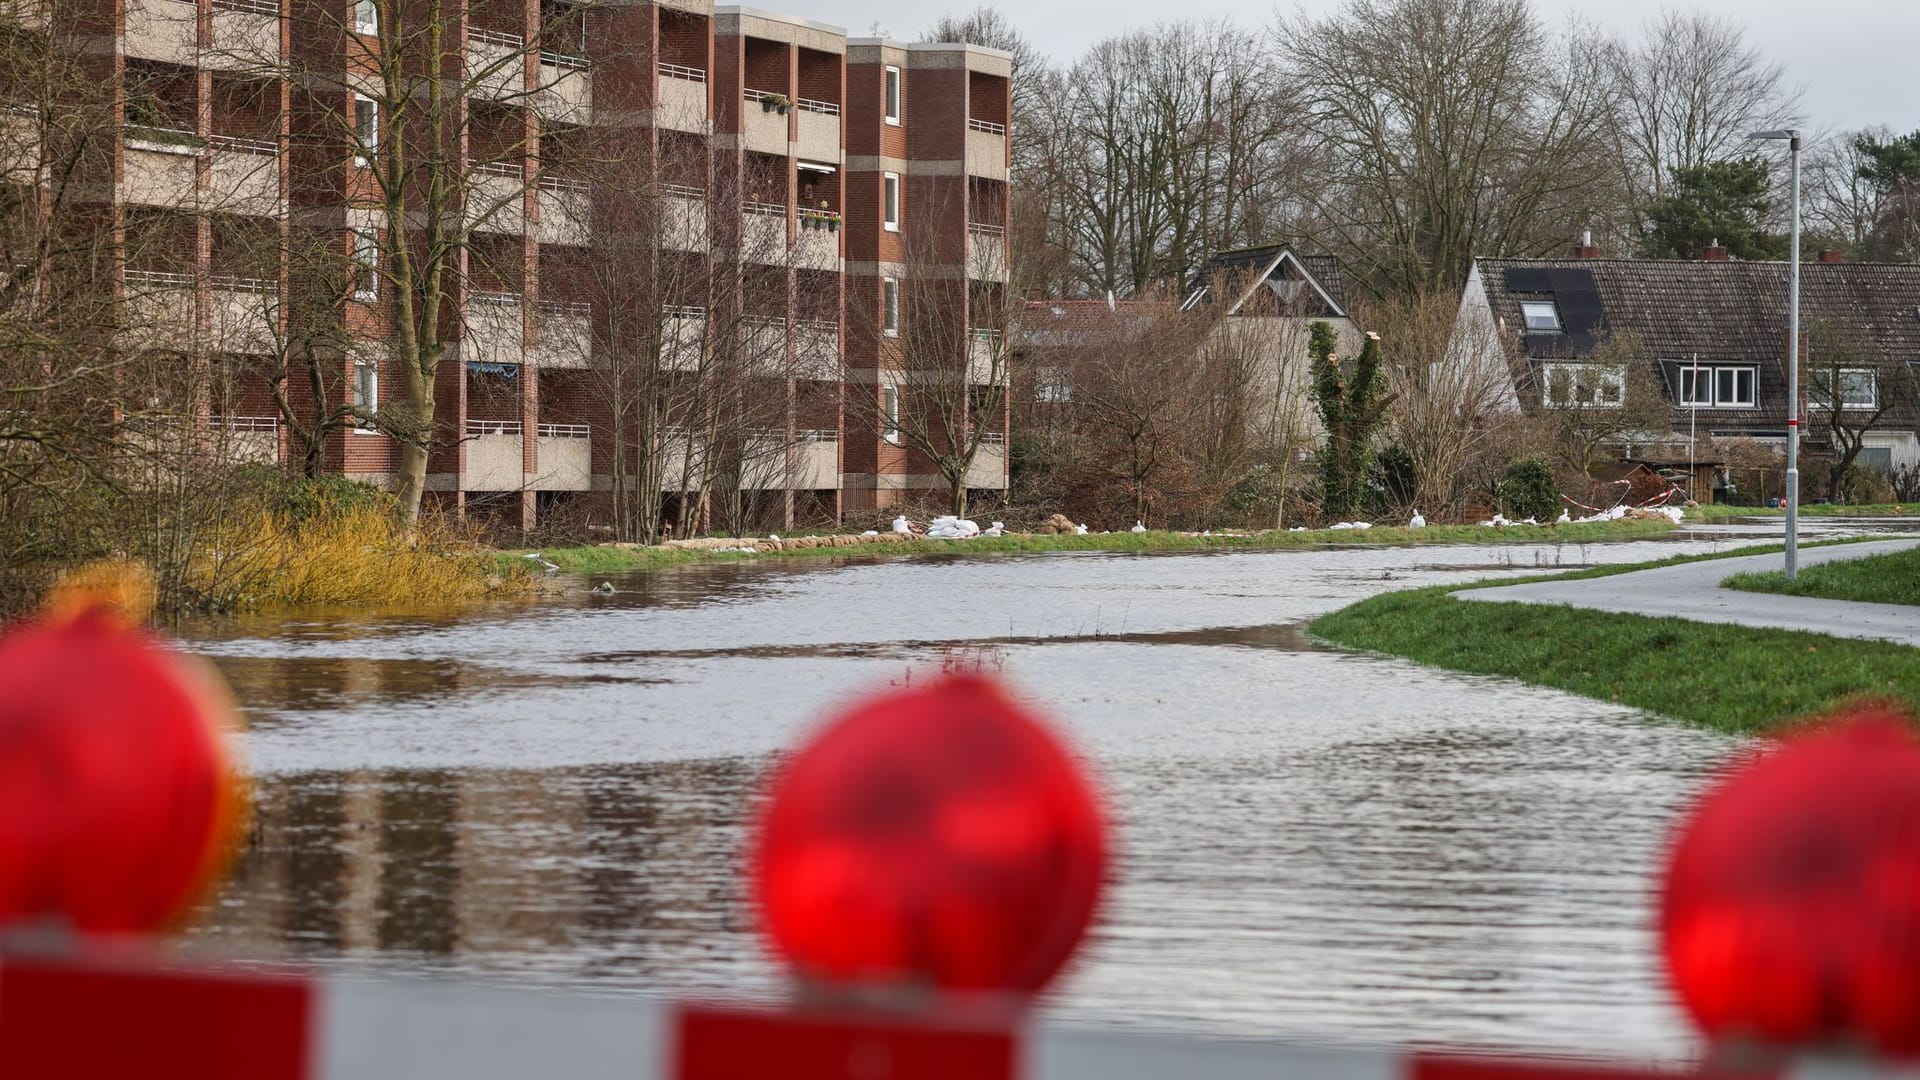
(1312, 844)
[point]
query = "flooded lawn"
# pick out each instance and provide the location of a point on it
(1314, 845)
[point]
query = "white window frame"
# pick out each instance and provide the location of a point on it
(366, 18)
(890, 414)
(1614, 375)
(1823, 401)
(890, 201)
(890, 306)
(1527, 317)
(366, 265)
(890, 93)
(366, 129)
(1692, 375)
(366, 393)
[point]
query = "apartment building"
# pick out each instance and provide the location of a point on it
(796, 199)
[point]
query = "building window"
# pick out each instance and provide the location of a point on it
(1566, 386)
(1541, 316)
(890, 202)
(366, 17)
(893, 96)
(890, 306)
(366, 129)
(366, 265)
(890, 414)
(1718, 386)
(1856, 388)
(366, 394)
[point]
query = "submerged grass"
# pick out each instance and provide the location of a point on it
(1738, 679)
(610, 559)
(1878, 579)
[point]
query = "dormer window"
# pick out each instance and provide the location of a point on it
(1541, 316)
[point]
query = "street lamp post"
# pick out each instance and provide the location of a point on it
(1792, 138)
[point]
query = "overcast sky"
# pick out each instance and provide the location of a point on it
(1855, 59)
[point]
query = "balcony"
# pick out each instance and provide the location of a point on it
(986, 252)
(497, 198)
(246, 36)
(497, 63)
(810, 461)
(19, 139)
(819, 135)
(247, 438)
(566, 334)
(987, 149)
(989, 468)
(763, 339)
(245, 175)
(564, 211)
(682, 101)
(683, 218)
(161, 167)
(495, 330)
(763, 236)
(683, 332)
(763, 122)
(818, 245)
(495, 456)
(244, 313)
(33, 16)
(986, 357)
(681, 459)
(167, 30)
(816, 348)
(159, 311)
(566, 88)
(565, 456)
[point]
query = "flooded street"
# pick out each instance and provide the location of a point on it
(1313, 845)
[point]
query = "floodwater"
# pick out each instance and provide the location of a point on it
(1314, 846)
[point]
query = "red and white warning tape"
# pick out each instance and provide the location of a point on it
(1657, 500)
(95, 1020)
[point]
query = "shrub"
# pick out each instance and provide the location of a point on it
(1529, 490)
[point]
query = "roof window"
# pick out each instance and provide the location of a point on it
(1541, 316)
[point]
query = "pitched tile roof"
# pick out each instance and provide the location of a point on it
(1239, 266)
(1716, 311)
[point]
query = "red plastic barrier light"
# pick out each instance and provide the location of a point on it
(1791, 910)
(934, 837)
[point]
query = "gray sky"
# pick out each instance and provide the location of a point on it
(1855, 58)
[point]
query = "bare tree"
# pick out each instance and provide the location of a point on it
(1851, 387)
(1689, 91)
(1609, 397)
(1450, 128)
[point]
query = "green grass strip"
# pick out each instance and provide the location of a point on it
(1723, 512)
(1729, 678)
(1877, 579)
(602, 559)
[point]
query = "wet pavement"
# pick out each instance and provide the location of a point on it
(1313, 845)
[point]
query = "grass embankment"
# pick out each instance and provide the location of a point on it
(607, 559)
(1877, 579)
(1731, 678)
(1722, 512)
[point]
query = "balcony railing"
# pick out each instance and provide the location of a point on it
(564, 431)
(562, 183)
(496, 299)
(247, 423)
(494, 427)
(565, 60)
(501, 168)
(811, 105)
(578, 308)
(987, 126)
(681, 71)
(985, 228)
(252, 7)
(770, 209)
(242, 283)
(683, 191)
(498, 37)
(245, 144)
(677, 311)
(167, 140)
(765, 320)
(993, 438)
(827, 325)
(159, 279)
(816, 435)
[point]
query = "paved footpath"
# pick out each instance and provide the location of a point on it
(1692, 591)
